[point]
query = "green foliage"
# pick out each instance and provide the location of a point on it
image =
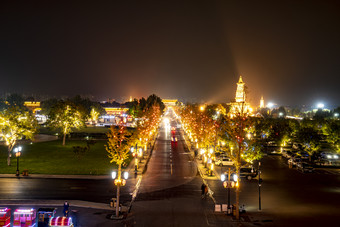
(310, 139)
(332, 133)
(321, 115)
(137, 108)
(65, 116)
(118, 144)
(15, 100)
(15, 124)
(240, 147)
(47, 105)
(84, 105)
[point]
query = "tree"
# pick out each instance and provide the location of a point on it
(236, 129)
(137, 108)
(47, 105)
(65, 116)
(86, 107)
(118, 146)
(15, 124)
(282, 111)
(310, 139)
(94, 115)
(15, 100)
(332, 132)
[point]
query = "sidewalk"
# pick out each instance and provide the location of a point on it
(246, 219)
(201, 168)
(74, 203)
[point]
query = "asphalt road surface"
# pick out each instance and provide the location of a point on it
(288, 196)
(170, 193)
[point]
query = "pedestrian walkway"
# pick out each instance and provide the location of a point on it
(37, 202)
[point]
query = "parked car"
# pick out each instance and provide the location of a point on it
(224, 162)
(304, 167)
(297, 146)
(287, 154)
(248, 172)
(294, 161)
(329, 156)
(303, 155)
(272, 143)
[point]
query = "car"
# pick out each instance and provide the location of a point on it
(294, 161)
(272, 143)
(224, 162)
(284, 153)
(173, 140)
(329, 156)
(303, 155)
(248, 172)
(287, 154)
(304, 167)
(297, 146)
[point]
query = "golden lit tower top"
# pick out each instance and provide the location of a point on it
(240, 106)
(240, 94)
(262, 102)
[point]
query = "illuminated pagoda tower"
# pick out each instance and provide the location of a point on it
(261, 102)
(240, 106)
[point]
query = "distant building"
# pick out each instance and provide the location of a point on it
(240, 105)
(262, 103)
(169, 102)
(115, 113)
(33, 106)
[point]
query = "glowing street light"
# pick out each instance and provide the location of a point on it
(229, 181)
(17, 151)
(320, 105)
(270, 105)
(202, 108)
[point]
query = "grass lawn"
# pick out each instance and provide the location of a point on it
(50, 131)
(53, 158)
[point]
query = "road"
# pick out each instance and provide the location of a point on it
(170, 189)
(289, 197)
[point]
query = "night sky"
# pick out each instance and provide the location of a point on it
(287, 51)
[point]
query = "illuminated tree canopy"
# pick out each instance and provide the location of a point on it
(65, 116)
(16, 124)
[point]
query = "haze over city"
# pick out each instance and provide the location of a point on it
(191, 50)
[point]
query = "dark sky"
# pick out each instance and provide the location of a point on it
(287, 51)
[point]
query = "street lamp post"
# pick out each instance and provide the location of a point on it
(17, 151)
(229, 183)
(228, 192)
(118, 181)
(134, 154)
(260, 182)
